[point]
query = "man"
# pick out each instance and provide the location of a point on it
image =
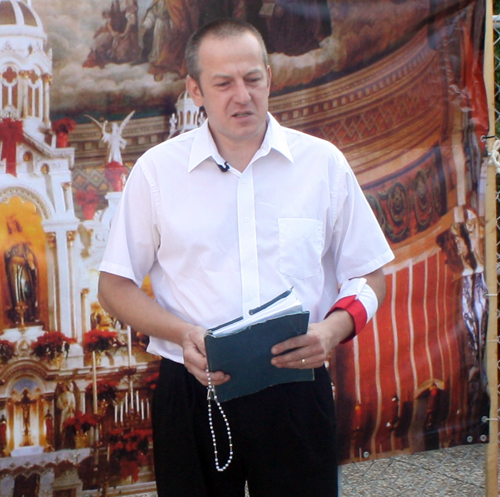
(224, 218)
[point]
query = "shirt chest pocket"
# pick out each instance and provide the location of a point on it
(300, 247)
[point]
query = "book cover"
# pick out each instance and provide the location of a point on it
(245, 354)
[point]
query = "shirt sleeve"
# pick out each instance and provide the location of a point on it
(134, 236)
(359, 246)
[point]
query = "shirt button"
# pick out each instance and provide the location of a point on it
(246, 219)
(245, 181)
(249, 257)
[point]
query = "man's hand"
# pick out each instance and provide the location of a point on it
(195, 358)
(313, 349)
(122, 298)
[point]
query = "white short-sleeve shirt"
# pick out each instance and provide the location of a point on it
(217, 244)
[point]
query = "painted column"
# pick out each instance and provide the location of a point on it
(47, 80)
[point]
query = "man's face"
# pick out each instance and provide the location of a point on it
(234, 89)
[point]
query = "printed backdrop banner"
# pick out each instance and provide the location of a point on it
(88, 86)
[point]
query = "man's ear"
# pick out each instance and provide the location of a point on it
(194, 90)
(269, 77)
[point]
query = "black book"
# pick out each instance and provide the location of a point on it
(242, 348)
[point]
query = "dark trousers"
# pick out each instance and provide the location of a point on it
(283, 439)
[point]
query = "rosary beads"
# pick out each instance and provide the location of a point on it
(211, 394)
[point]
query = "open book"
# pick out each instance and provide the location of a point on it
(242, 347)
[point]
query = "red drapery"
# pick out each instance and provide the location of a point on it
(11, 133)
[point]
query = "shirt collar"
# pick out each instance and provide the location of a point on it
(274, 139)
(204, 144)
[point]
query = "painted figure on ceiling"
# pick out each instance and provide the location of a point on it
(118, 40)
(168, 24)
(296, 27)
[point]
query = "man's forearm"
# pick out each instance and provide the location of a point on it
(361, 298)
(124, 300)
(376, 280)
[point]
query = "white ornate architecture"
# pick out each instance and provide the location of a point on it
(26, 66)
(41, 173)
(187, 115)
(38, 176)
(48, 283)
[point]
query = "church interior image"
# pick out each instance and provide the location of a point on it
(88, 86)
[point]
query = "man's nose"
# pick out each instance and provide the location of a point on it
(241, 93)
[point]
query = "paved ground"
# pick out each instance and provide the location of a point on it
(455, 472)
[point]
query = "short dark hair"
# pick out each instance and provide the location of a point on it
(220, 28)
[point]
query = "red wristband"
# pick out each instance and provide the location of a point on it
(356, 309)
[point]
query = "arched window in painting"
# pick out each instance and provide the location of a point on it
(10, 88)
(27, 486)
(35, 102)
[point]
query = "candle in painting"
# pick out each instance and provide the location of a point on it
(129, 345)
(94, 381)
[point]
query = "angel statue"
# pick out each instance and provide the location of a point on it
(114, 139)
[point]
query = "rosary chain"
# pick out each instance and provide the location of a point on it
(211, 394)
